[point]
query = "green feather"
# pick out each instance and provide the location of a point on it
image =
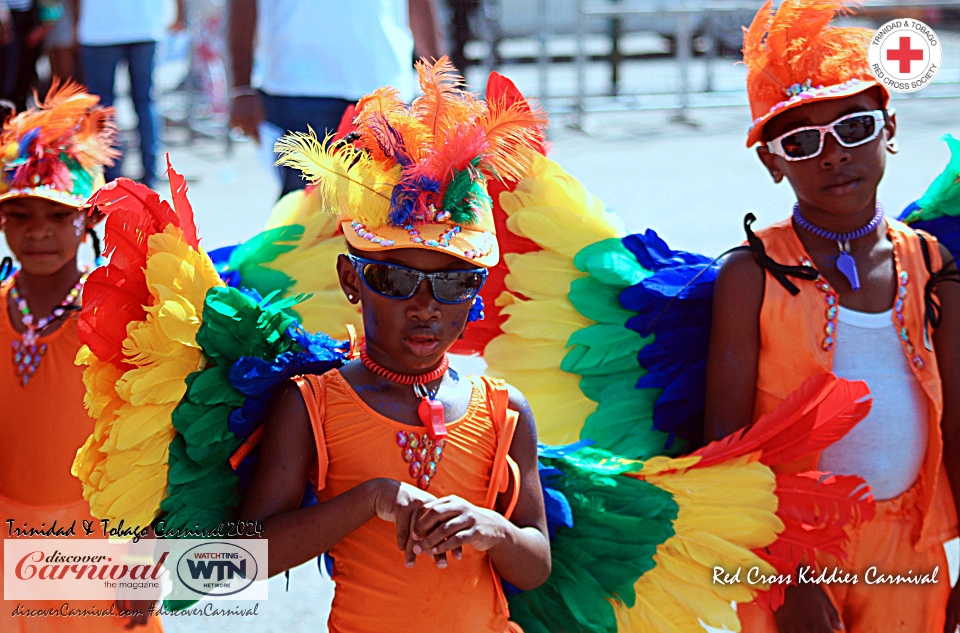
(942, 197)
(466, 197)
(618, 522)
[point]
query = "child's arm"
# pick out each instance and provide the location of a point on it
(947, 344)
(734, 346)
(520, 547)
(278, 483)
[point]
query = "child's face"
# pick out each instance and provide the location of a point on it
(43, 235)
(839, 180)
(413, 333)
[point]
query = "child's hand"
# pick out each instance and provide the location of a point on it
(401, 503)
(447, 524)
(807, 609)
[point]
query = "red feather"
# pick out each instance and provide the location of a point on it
(478, 334)
(184, 210)
(817, 512)
(109, 306)
(821, 411)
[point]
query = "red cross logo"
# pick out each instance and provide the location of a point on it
(905, 55)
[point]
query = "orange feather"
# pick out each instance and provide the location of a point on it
(510, 127)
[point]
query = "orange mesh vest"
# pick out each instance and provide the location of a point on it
(797, 335)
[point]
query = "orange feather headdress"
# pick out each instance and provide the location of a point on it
(57, 150)
(793, 55)
(415, 176)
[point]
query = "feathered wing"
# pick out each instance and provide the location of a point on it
(635, 543)
(607, 335)
(937, 211)
(138, 326)
(179, 375)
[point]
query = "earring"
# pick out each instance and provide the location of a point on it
(350, 298)
(892, 146)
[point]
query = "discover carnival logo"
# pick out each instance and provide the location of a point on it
(101, 569)
(905, 55)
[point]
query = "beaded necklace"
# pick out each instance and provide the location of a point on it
(28, 352)
(422, 452)
(846, 264)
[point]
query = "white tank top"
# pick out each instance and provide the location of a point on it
(887, 447)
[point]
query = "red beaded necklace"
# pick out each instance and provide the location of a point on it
(429, 410)
(404, 379)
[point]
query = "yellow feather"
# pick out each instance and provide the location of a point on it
(550, 319)
(540, 274)
(353, 184)
(312, 263)
(724, 512)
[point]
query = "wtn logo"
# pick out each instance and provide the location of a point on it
(224, 568)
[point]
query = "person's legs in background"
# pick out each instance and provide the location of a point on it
(99, 70)
(294, 114)
(140, 60)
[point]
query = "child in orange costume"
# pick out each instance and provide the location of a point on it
(409, 459)
(52, 160)
(824, 124)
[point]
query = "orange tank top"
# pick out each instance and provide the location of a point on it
(375, 590)
(42, 426)
(797, 335)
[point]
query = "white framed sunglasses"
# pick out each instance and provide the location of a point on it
(850, 130)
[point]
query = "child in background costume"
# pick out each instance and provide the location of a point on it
(823, 123)
(408, 458)
(52, 160)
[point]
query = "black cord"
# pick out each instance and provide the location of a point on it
(96, 242)
(755, 246)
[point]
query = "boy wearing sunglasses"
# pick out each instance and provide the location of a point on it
(427, 480)
(823, 123)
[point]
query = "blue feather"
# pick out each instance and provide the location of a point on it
(675, 305)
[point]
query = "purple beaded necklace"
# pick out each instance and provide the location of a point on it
(846, 264)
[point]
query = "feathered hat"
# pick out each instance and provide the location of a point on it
(57, 150)
(794, 56)
(415, 176)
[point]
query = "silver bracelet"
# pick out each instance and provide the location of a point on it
(243, 91)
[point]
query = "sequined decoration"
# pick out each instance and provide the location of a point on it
(422, 454)
(28, 352)
(831, 312)
(26, 359)
(898, 305)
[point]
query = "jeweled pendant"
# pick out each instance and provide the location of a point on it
(26, 359)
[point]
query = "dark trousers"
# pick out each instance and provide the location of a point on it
(18, 64)
(99, 69)
(294, 114)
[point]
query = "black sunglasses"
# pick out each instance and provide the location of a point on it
(400, 282)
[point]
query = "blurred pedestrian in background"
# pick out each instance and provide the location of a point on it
(23, 25)
(113, 30)
(317, 57)
(60, 44)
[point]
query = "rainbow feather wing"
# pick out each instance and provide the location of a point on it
(179, 373)
(938, 209)
(635, 543)
(138, 326)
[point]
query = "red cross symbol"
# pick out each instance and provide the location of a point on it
(905, 55)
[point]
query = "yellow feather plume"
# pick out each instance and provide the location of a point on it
(353, 184)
